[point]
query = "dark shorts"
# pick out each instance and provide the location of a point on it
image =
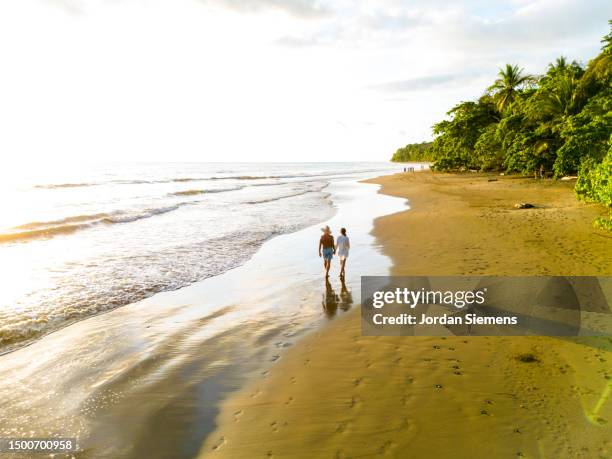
(328, 253)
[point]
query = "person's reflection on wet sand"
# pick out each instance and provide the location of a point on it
(346, 298)
(332, 301)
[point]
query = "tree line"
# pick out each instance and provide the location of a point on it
(414, 152)
(552, 125)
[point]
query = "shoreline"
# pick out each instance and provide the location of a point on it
(148, 376)
(343, 394)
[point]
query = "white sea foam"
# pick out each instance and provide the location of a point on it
(110, 236)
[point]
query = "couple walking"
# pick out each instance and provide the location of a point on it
(327, 249)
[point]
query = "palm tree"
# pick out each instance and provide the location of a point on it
(559, 66)
(511, 79)
(562, 100)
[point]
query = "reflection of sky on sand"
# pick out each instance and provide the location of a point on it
(147, 377)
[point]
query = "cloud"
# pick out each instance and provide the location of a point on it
(304, 9)
(403, 62)
(528, 26)
(360, 26)
(511, 26)
(394, 20)
(298, 8)
(418, 84)
(291, 41)
(69, 6)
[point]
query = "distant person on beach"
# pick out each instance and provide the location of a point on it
(326, 248)
(342, 248)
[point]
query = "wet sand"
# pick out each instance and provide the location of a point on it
(339, 394)
(146, 380)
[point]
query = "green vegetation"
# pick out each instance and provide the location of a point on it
(556, 124)
(413, 152)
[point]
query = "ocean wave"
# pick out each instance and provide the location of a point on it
(39, 230)
(278, 198)
(290, 195)
(126, 217)
(81, 298)
(153, 182)
(41, 233)
(63, 221)
(64, 185)
(249, 177)
(188, 193)
(203, 179)
(197, 191)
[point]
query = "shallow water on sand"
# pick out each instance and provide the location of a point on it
(76, 243)
(145, 380)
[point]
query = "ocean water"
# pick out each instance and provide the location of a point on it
(78, 242)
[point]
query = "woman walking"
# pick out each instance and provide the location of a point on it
(342, 249)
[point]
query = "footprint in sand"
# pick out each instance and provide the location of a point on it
(357, 382)
(289, 401)
(237, 415)
(405, 399)
(217, 446)
(406, 424)
(340, 454)
(343, 426)
(355, 402)
(386, 447)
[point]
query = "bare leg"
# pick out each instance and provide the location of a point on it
(342, 263)
(327, 266)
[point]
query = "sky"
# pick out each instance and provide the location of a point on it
(261, 80)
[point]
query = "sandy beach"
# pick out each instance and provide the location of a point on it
(340, 394)
(306, 229)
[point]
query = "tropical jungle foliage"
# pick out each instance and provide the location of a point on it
(413, 152)
(556, 124)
